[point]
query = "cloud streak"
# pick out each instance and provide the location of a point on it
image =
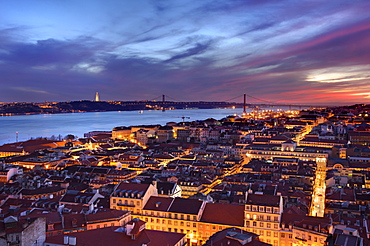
(214, 50)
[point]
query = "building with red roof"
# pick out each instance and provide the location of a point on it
(133, 234)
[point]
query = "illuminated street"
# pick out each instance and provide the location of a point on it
(318, 196)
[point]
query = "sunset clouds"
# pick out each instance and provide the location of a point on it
(279, 51)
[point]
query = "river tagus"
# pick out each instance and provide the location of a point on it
(48, 125)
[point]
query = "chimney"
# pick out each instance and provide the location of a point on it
(129, 228)
(72, 240)
(65, 240)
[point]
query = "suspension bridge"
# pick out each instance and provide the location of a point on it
(240, 101)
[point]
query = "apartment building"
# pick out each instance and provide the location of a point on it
(263, 216)
(132, 197)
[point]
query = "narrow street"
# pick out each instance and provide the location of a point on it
(317, 208)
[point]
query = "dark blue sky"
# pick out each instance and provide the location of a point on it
(281, 51)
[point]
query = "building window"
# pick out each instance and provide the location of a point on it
(268, 218)
(261, 217)
(282, 235)
(268, 233)
(268, 210)
(275, 234)
(261, 224)
(254, 223)
(194, 225)
(268, 225)
(275, 226)
(262, 209)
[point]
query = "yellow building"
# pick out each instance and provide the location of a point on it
(263, 216)
(107, 218)
(132, 197)
(313, 231)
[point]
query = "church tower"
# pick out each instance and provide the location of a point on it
(97, 97)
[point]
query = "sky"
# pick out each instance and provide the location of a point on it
(288, 51)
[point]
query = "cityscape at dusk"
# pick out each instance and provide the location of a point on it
(185, 123)
(278, 51)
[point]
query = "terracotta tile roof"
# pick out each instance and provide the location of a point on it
(77, 197)
(185, 206)
(234, 237)
(108, 236)
(225, 214)
(51, 218)
(133, 187)
(263, 199)
(74, 221)
(341, 194)
(111, 214)
(39, 191)
(157, 203)
(31, 145)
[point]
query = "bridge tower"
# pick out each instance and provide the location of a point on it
(163, 100)
(245, 104)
